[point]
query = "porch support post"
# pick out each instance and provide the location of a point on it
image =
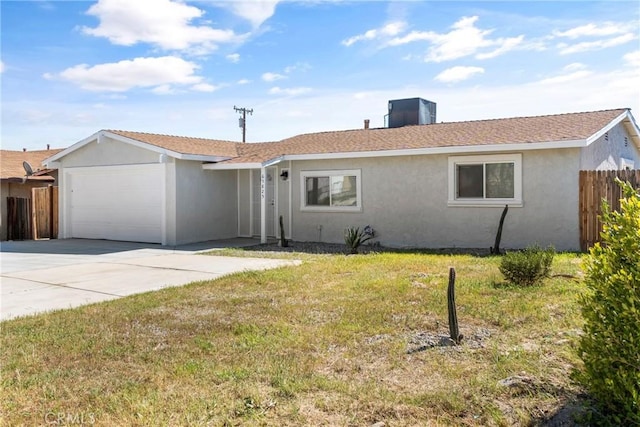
(263, 205)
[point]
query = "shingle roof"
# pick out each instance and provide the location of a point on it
(11, 163)
(518, 130)
(184, 144)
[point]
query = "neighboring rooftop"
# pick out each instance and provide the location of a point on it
(11, 163)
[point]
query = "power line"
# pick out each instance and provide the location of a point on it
(243, 120)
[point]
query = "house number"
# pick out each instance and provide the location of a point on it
(262, 187)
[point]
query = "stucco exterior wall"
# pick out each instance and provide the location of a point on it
(405, 200)
(283, 191)
(244, 203)
(607, 152)
(206, 203)
(108, 153)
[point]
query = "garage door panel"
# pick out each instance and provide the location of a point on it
(117, 202)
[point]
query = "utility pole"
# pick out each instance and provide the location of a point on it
(243, 120)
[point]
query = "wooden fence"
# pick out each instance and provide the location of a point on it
(34, 218)
(18, 218)
(45, 212)
(594, 187)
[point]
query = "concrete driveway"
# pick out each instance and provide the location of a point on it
(38, 276)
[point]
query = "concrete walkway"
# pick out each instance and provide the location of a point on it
(38, 276)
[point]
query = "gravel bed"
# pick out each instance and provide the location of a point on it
(341, 248)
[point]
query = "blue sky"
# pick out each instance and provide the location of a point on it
(71, 68)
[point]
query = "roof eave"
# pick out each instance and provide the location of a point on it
(632, 128)
(231, 166)
(577, 143)
(625, 116)
(98, 136)
(56, 157)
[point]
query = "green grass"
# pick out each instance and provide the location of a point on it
(323, 343)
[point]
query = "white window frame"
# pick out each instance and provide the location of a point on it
(329, 173)
(516, 159)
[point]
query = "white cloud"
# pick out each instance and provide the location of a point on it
(234, 57)
(1, 67)
(272, 77)
(505, 45)
(254, 11)
(128, 74)
(633, 58)
(243, 81)
(289, 91)
(594, 30)
(389, 30)
(458, 74)
(298, 66)
(571, 73)
(566, 49)
(464, 39)
(163, 23)
(205, 87)
(163, 90)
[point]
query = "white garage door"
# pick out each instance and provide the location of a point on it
(115, 202)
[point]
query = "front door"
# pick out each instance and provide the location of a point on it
(270, 191)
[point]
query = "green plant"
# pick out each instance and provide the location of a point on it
(610, 346)
(527, 267)
(354, 237)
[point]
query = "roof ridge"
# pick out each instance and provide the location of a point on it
(541, 115)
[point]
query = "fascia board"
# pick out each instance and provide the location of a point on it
(632, 127)
(49, 160)
(231, 166)
(272, 162)
(160, 150)
(143, 145)
(607, 128)
(203, 158)
(578, 143)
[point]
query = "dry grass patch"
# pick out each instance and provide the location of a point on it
(324, 343)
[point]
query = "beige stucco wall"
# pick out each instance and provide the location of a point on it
(607, 151)
(405, 200)
(206, 203)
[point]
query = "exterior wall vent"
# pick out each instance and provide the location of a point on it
(411, 111)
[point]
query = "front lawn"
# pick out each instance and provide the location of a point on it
(338, 340)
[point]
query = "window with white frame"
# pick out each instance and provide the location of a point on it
(626, 163)
(336, 190)
(485, 180)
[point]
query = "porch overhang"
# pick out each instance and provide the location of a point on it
(230, 166)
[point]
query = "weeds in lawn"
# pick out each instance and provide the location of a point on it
(323, 343)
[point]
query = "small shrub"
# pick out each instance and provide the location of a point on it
(610, 346)
(527, 267)
(354, 237)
